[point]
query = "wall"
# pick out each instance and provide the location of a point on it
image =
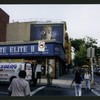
(18, 31)
(67, 47)
(4, 19)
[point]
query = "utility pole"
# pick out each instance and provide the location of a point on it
(91, 54)
(92, 81)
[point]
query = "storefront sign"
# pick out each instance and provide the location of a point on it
(26, 50)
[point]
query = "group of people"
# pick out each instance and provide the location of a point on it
(19, 86)
(78, 82)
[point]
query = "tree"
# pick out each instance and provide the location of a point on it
(80, 56)
(97, 51)
(87, 41)
(76, 43)
(90, 42)
(81, 46)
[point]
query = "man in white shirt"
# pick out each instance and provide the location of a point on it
(38, 72)
(19, 86)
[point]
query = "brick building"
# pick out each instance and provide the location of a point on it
(4, 20)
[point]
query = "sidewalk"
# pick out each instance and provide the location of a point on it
(65, 82)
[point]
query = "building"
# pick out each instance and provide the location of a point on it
(18, 31)
(32, 41)
(67, 47)
(4, 20)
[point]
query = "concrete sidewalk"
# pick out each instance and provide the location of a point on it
(65, 82)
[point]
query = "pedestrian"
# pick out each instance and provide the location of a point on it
(38, 71)
(19, 86)
(10, 83)
(34, 79)
(87, 78)
(49, 74)
(77, 79)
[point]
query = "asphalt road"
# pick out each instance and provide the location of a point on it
(58, 91)
(48, 91)
(53, 90)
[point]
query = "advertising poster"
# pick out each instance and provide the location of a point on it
(47, 31)
(51, 67)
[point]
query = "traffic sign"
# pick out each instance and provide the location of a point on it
(41, 46)
(90, 52)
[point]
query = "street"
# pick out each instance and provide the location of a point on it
(48, 91)
(56, 90)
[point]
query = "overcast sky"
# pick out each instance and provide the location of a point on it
(82, 19)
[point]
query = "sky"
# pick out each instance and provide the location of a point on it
(82, 19)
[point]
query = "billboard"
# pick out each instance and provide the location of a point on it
(47, 31)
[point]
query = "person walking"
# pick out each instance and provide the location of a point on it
(34, 79)
(49, 75)
(77, 79)
(38, 71)
(19, 86)
(87, 78)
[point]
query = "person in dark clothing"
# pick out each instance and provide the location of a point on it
(34, 79)
(77, 79)
(10, 83)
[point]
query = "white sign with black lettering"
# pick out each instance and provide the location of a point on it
(41, 46)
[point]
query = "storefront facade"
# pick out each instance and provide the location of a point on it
(52, 55)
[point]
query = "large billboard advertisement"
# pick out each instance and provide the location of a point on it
(47, 31)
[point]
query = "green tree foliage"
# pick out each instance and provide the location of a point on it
(80, 56)
(76, 43)
(87, 41)
(81, 46)
(97, 51)
(90, 42)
